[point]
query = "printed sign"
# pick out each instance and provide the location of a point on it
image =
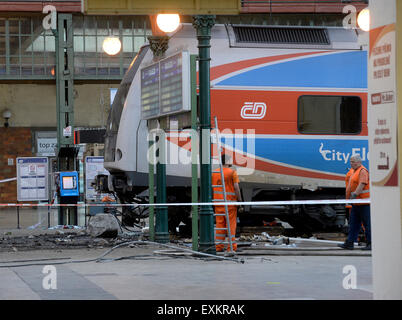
(46, 146)
(382, 106)
(93, 167)
(32, 179)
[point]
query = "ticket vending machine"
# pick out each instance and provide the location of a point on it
(69, 192)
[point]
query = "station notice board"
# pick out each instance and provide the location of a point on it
(93, 167)
(32, 179)
(165, 86)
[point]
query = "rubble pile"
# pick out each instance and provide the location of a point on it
(61, 240)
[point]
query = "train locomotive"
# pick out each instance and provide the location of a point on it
(301, 92)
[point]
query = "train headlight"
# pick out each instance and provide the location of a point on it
(363, 19)
(111, 45)
(168, 22)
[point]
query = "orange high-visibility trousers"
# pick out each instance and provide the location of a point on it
(221, 223)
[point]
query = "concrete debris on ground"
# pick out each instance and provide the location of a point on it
(104, 225)
(61, 240)
(104, 231)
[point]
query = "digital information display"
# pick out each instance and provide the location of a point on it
(69, 183)
(150, 91)
(165, 86)
(32, 179)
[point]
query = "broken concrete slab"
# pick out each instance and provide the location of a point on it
(104, 225)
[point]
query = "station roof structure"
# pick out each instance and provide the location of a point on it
(245, 6)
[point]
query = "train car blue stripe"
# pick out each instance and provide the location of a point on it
(328, 155)
(338, 70)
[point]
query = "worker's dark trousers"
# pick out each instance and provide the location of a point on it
(359, 215)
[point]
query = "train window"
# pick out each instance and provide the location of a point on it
(329, 114)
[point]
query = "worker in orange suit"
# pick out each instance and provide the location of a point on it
(358, 187)
(233, 194)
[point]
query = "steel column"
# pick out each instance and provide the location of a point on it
(203, 24)
(159, 45)
(194, 152)
(65, 102)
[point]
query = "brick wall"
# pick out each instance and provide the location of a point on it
(14, 142)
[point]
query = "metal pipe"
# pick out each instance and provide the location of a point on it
(316, 240)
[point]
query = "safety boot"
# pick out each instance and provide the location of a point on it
(346, 245)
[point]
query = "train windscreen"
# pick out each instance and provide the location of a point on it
(113, 121)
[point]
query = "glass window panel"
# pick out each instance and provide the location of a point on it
(114, 61)
(78, 44)
(50, 61)
(89, 25)
(25, 26)
(2, 62)
(100, 43)
(90, 62)
(2, 45)
(103, 71)
(90, 44)
(14, 45)
(128, 45)
(39, 59)
(139, 22)
(13, 26)
(39, 44)
(2, 26)
(102, 27)
(26, 46)
(127, 61)
(50, 43)
(39, 70)
(15, 69)
(139, 31)
(114, 71)
(37, 25)
(14, 59)
(138, 42)
(78, 25)
(329, 115)
(127, 26)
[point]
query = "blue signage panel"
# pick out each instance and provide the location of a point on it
(69, 186)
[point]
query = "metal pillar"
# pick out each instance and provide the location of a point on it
(194, 152)
(151, 184)
(162, 222)
(65, 80)
(159, 45)
(203, 24)
(66, 158)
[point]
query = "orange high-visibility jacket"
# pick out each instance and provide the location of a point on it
(347, 179)
(231, 178)
(354, 182)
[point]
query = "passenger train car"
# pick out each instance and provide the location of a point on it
(302, 91)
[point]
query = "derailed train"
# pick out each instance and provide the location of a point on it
(303, 92)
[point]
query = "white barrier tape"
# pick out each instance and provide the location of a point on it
(7, 180)
(250, 203)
